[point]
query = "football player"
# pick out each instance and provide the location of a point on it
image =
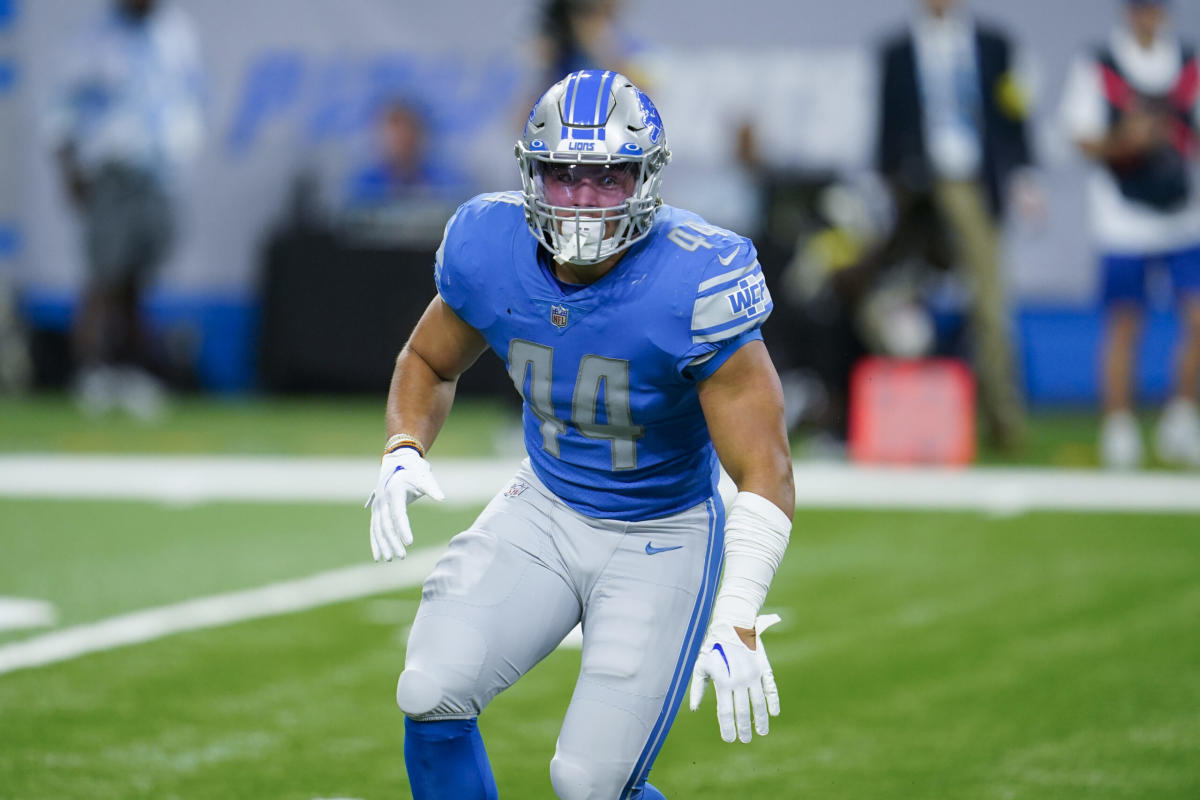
(631, 331)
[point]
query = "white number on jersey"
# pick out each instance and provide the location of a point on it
(693, 241)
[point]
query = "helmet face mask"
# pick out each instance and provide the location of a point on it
(591, 161)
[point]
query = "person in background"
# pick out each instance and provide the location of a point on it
(586, 34)
(403, 168)
(16, 363)
(1132, 105)
(953, 146)
(126, 116)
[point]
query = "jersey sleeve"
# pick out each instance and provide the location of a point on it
(476, 237)
(448, 275)
(705, 365)
(731, 303)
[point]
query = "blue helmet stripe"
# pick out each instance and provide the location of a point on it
(583, 109)
(602, 102)
(571, 98)
(585, 104)
(599, 107)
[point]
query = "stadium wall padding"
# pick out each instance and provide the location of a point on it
(1058, 346)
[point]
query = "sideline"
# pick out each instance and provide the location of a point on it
(184, 480)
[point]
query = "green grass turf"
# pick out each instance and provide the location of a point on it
(353, 425)
(335, 426)
(922, 655)
(96, 559)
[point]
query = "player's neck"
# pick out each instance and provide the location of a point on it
(584, 273)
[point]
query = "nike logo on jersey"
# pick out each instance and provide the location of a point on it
(727, 260)
(721, 651)
(652, 550)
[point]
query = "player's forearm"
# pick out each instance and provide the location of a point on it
(767, 474)
(758, 527)
(419, 399)
(743, 406)
(756, 536)
(759, 521)
(753, 446)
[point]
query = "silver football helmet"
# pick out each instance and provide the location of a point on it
(592, 119)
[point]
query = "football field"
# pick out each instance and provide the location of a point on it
(1003, 651)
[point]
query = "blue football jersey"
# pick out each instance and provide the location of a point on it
(608, 371)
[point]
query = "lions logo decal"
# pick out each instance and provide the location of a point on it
(650, 117)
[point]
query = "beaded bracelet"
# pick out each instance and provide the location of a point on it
(398, 440)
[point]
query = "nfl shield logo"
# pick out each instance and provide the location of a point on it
(558, 316)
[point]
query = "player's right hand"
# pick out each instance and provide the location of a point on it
(403, 477)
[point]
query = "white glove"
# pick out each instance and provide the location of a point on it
(741, 678)
(403, 477)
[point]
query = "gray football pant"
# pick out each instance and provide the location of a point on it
(508, 590)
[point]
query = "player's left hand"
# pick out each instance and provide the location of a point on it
(742, 680)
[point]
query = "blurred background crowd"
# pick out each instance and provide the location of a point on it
(230, 197)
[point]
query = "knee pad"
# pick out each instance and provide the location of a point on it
(573, 780)
(570, 780)
(445, 669)
(417, 693)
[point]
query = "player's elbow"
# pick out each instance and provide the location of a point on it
(412, 362)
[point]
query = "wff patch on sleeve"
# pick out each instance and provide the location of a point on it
(730, 304)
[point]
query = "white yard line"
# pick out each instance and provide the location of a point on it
(26, 612)
(186, 479)
(472, 482)
(216, 610)
(139, 627)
